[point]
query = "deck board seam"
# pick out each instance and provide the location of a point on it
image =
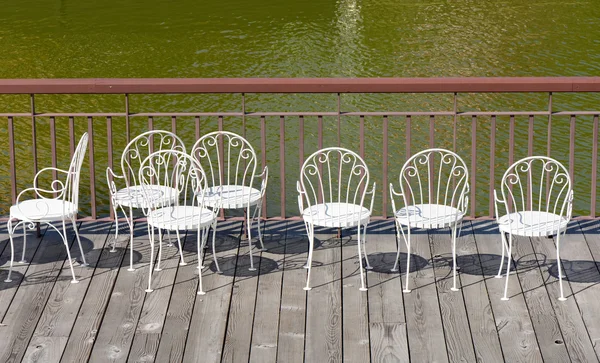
(86, 290)
(237, 258)
(437, 293)
(545, 285)
(281, 291)
(112, 288)
(24, 273)
(487, 292)
(573, 294)
(50, 289)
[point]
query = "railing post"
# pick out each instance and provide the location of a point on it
(92, 166)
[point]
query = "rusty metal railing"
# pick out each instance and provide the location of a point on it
(386, 120)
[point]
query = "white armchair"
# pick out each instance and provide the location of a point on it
(537, 198)
(331, 193)
(56, 203)
(434, 187)
(231, 168)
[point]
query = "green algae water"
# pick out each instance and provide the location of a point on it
(317, 38)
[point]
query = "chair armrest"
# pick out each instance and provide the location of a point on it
(497, 201)
(110, 180)
(300, 199)
(372, 193)
(265, 179)
(393, 194)
(54, 182)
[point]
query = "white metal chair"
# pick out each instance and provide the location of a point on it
(230, 164)
(333, 184)
(434, 186)
(131, 196)
(537, 196)
(56, 203)
(183, 206)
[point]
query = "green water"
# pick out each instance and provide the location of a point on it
(346, 38)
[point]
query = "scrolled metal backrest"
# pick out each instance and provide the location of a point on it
(72, 183)
(227, 158)
(143, 145)
(539, 184)
(334, 175)
(179, 172)
(435, 176)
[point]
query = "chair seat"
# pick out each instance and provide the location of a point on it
(181, 217)
(133, 196)
(428, 216)
(231, 196)
(337, 215)
(532, 224)
(43, 210)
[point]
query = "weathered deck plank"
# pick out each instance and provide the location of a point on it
(477, 301)
(575, 336)
(179, 314)
(389, 340)
(516, 332)
(209, 318)
(268, 298)
(452, 305)
(324, 303)
(355, 312)
(55, 325)
(90, 315)
(30, 300)
(152, 317)
(292, 314)
(238, 335)
(116, 333)
(9, 289)
(423, 317)
(545, 324)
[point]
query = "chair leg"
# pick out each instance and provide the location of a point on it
(509, 252)
(79, 242)
(360, 264)
(114, 246)
(256, 215)
(151, 264)
(503, 238)
(398, 229)
(64, 238)
(214, 249)
(249, 228)
(311, 235)
(364, 248)
(453, 231)
(199, 245)
(559, 266)
(130, 223)
(12, 248)
(182, 262)
(160, 243)
(309, 256)
(169, 238)
(406, 289)
(23, 260)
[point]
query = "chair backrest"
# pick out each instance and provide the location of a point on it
(72, 183)
(143, 145)
(334, 175)
(435, 176)
(227, 158)
(182, 177)
(539, 184)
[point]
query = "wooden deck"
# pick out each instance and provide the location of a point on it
(265, 316)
